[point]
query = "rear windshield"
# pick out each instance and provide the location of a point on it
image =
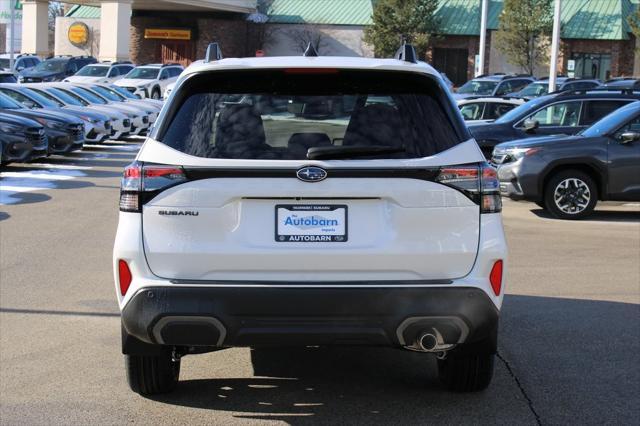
(281, 114)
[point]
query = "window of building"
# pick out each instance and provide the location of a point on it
(592, 65)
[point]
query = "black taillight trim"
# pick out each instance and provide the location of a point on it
(429, 174)
(144, 196)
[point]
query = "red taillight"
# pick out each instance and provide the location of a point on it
(463, 178)
(171, 172)
(132, 171)
(495, 277)
(124, 276)
(139, 181)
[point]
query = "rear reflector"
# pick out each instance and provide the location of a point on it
(490, 191)
(124, 276)
(495, 277)
(129, 202)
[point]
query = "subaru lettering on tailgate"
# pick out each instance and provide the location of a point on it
(311, 223)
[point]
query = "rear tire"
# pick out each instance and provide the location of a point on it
(152, 374)
(570, 194)
(466, 372)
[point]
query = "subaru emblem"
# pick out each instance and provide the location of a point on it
(311, 174)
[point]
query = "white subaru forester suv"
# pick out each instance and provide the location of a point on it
(309, 201)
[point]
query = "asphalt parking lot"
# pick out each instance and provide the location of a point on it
(569, 348)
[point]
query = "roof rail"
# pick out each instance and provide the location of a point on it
(214, 53)
(622, 90)
(310, 51)
(117, 62)
(407, 53)
(546, 77)
(621, 78)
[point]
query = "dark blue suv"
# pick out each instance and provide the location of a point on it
(561, 113)
(55, 69)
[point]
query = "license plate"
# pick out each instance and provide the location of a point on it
(311, 223)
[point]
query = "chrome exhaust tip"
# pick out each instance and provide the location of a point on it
(427, 342)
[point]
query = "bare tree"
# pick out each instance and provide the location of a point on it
(302, 35)
(55, 9)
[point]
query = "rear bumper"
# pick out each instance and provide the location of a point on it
(277, 316)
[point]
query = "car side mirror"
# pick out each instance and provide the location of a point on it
(628, 137)
(20, 68)
(531, 125)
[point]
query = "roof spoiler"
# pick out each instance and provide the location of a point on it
(213, 53)
(407, 53)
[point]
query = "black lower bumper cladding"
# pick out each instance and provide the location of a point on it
(265, 316)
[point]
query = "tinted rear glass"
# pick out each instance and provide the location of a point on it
(595, 110)
(280, 114)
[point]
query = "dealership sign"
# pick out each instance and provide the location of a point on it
(167, 34)
(78, 34)
(5, 18)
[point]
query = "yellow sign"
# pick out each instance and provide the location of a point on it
(167, 34)
(78, 34)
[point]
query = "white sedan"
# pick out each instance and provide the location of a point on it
(487, 109)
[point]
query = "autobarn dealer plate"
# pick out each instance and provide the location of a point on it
(311, 223)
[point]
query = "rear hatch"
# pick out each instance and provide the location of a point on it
(332, 175)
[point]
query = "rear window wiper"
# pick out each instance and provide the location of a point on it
(341, 152)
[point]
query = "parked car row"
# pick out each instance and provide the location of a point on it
(144, 81)
(488, 97)
(41, 119)
(528, 87)
(563, 150)
(568, 174)
(564, 112)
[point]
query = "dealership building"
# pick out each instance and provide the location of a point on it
(596, 37)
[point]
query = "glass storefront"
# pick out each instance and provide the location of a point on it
(592, 65)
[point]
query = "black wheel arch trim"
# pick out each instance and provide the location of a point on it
(598, 172)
